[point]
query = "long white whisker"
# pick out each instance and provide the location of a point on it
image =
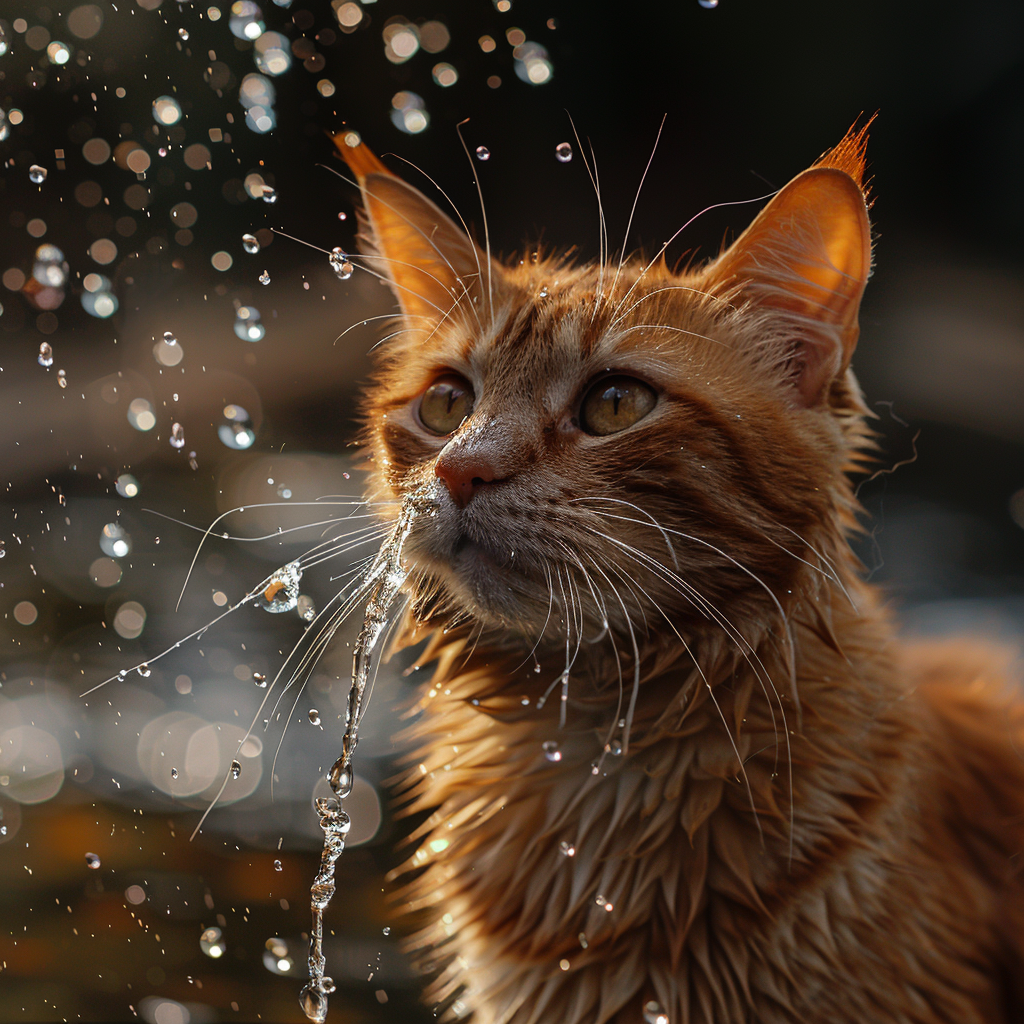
(636, 199)
(483, 214)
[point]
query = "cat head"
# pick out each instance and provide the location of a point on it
(612, 445)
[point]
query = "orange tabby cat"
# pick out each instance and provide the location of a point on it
(725, 792)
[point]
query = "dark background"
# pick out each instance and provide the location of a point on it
(753, 93)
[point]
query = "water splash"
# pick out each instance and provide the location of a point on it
(384, 578)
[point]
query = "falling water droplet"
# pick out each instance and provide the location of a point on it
(250, 244)
(387, 931)
(563, 152)
(174, 773)
(62, 379)
(278, 866)
(654, 1012)
(259, 679)
(211, 942)
(236, 769)
(169, 338)
(483, 153)
(177, 437)
(314, 716)
(284, 491)
(37, 174)
(45, 354)
(566, 849)
(92, 861)
(340, 263)
(265, 278)
(269, 194)
(183, 33)
(551, 750)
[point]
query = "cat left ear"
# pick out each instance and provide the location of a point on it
(431, 263)
(806, 258)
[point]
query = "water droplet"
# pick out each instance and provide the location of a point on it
(237, 430)
(551, 750)
(387, 931)
(265, 278)
(269, 194)
(62, 379)
(174, 773)
(563, 152)
(177, 437)
(614, 748)
(211, 942)
(340, 263)
(247, 324)
(183, 33)
(595, 767)
(314, 716)
(654, 1012)
(92, 861)
(483, 153)
(127, 486)
(169, 338)
(281, 594)
(566, 849)
(250, 244)
(600, 900)
(259, 679)
(144, 670)
(3, 549)
(278, 866)
(284, 491)
(37, 174)
(45, 354)
(236, 769)
(306, 608)
(708, 5)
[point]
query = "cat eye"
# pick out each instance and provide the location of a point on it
(446, 403)
(615, 403)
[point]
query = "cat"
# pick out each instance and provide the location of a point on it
(674, 762)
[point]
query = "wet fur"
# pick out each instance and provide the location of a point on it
(811, 820)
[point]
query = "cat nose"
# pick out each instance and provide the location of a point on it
(464, 475)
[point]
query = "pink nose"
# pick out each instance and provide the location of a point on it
(463, 476)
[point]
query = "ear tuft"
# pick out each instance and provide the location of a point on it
(850, 155)
(359, 157)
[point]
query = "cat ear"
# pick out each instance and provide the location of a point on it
(432, 263)
(806, 258)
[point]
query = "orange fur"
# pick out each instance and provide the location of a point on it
(805, 819)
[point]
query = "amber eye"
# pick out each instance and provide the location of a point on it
(446, 403)
(615, 403)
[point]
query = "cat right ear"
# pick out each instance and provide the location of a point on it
(431, 263)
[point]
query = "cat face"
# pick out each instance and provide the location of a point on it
(631, 449)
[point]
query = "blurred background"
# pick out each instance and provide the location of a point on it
(158, 368)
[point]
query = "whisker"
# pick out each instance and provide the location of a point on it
(483, 214)
(636, 199)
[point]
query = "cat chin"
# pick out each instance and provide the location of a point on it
(479, 583)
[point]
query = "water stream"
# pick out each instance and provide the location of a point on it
(385, 578)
